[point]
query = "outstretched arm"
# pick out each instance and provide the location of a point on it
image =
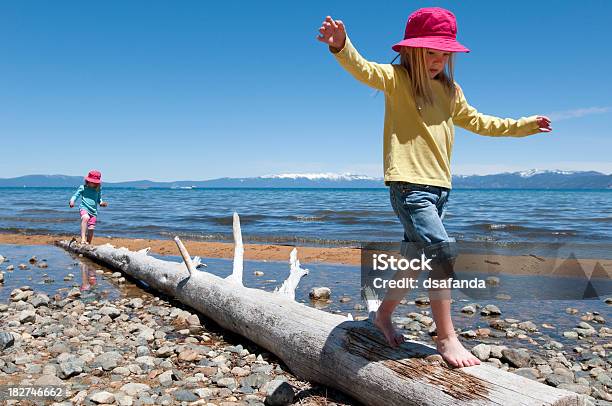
(76, 195)
(378, 76)
(469, 118)
(101, 202)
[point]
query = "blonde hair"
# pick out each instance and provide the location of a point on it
(98, 186)
(413, 60)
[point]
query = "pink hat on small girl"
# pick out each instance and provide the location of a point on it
(94, 177)
(431, 27)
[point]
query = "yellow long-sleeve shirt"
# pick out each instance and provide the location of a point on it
(417, 147)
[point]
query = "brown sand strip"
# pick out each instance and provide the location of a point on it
(335, 255)
(490, 264)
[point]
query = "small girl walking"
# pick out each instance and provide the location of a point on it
(91, 196)
(422, 105)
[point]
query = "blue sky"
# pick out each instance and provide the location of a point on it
(197, 90)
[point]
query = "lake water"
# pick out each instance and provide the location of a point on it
(314, 216)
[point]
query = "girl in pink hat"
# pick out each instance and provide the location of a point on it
(91, 196)
(422, 105)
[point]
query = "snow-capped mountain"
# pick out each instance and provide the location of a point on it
(531, 179)
(320, 176)
(532, 172)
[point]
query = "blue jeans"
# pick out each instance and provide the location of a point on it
(420, 209)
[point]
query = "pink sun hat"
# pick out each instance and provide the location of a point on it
(93, 177)
(431, 27)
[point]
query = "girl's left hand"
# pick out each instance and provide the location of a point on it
(544, 124)
(103, 204)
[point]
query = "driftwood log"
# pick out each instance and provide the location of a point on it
(321, 347)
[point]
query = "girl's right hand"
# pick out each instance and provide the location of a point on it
(332, 33)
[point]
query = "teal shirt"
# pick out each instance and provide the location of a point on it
(90, 199)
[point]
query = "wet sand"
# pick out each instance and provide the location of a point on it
(490, 264)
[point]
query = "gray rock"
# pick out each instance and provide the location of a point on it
(264, 369)
(103, 397)
(136, 303)
(517, 358)
(279, 393)
(320, 293)
(183, 395)
(48, 380)
(204, 393)
(109, 360)
(469, 309)
(557, 379)
(595, 362)
(496, 351)
(468, 334)
(69, 365)
(229, 383)
(6, 340)
(528, 326)
(255, 380)
(40, 299)
(164, 351)
(555, 345)
(490, 310)
(142, 350)
(165, 379)
(123, 400)
(482, 351)
(134, 389)
(585, 332)
(530, 373)
(110, 311)
(604, 379)
(27, 316)
(570, 334)
(421, 301)
(492, 281)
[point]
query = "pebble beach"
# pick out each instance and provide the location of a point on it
(116, 342)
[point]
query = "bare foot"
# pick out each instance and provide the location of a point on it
(384, 324)
(455, 353)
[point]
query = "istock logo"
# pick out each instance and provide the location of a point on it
(384, 262)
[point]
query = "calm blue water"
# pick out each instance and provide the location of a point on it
(314, 216)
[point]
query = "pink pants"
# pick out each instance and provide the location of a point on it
(91, 220)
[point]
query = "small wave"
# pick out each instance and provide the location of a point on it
(41, 211)
(501, 226)
(306, 219)
(229, 220)
(599, 219)
(348, 213)
(48, 220)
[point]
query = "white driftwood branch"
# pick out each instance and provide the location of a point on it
(186, 258)
(238, 266)
(351, 356)
(296, 273)
(144, 251)
(372, 301)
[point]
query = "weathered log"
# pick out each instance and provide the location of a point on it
(331, 349)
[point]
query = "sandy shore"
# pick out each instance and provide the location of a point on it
(490, 264)
(335, 255)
